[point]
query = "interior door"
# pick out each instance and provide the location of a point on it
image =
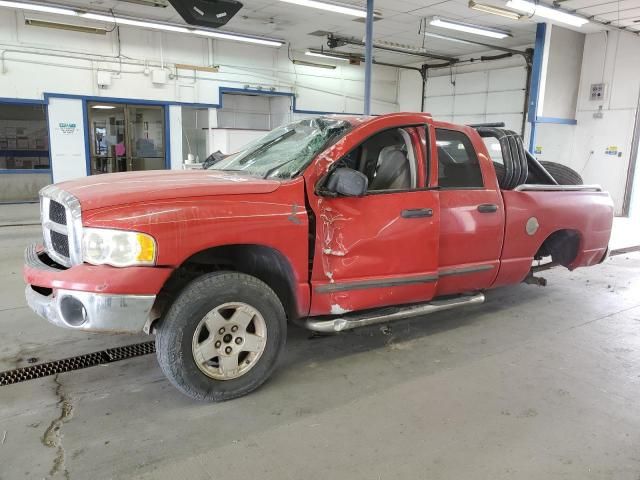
(380, 249)
(126, 137)
(471, 213)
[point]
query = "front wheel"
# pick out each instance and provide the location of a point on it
(222, 336)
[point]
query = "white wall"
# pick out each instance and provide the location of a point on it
(78, 57)
(562, 73)
(609, 57)
(560, 77)
(176, 155)
(613, 58)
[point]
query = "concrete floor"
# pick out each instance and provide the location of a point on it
(536, 383)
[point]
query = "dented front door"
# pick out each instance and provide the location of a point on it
(376, 250)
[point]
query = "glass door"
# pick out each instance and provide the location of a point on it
(146, 134)
(126, 138)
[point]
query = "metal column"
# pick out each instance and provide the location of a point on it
(368, 58)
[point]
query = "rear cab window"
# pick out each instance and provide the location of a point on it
(458, 165)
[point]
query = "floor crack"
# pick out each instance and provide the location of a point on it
(52, 437)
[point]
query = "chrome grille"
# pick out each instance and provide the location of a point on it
(57, 213)
(60, 243)
(61, 225)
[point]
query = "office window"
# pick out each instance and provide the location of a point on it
(24, 137)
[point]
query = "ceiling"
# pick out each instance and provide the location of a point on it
(621, 13)
(399, 24)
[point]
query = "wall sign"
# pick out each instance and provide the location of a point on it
(67, 128)
(613, 151)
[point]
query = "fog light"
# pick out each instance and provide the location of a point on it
(73, 311)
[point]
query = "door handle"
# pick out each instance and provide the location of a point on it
(417, 213)
(488, 208)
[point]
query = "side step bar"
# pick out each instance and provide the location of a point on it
(355, 320)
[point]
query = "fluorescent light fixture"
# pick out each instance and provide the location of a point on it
(330, 7)
(312, 64)
(64, 26)
(177, 29)
(546, 12)
(38, 8)
(469, 28)
(134, 23)
(238, 38)
(149, 3)
(445, 37)
(503, 12)
(326, 55)
(103, 107)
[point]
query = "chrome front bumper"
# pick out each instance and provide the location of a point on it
(87, 311)
(93, 312)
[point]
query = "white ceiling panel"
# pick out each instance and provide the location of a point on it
(400, 22)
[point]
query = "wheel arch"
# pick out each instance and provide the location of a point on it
(263, 262)
(563, 245)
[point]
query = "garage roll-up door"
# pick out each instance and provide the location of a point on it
(484, 96)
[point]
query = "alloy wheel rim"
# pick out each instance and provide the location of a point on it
(229, 340)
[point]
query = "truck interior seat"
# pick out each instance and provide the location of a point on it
(456, 174)
(393, 171)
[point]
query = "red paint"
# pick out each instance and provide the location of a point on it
(355, 239)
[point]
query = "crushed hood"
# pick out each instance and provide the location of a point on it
(132, 187)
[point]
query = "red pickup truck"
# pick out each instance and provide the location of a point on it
(328, 222)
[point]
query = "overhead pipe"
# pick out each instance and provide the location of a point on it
(334, 41)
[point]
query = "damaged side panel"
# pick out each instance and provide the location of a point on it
(367, 254)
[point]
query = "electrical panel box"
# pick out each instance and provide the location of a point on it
(103, 79)
(597, 91)
(159, 77)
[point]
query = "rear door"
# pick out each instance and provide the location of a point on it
(471, 211)
(380, 249)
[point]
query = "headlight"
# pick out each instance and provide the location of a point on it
(119, 248)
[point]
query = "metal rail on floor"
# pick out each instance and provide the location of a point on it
(102, 357)
(116, 354)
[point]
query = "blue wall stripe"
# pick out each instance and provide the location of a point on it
(561, 121)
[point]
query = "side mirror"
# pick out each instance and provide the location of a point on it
(347, 182)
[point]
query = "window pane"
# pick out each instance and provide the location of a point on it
(388, 160)
(458, 165)
(24, 139)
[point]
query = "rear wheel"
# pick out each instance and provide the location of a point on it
(562, 174)
(222, 336)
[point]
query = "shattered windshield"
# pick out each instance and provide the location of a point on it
(287, 150)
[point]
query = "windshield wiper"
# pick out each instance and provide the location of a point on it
(265, 146)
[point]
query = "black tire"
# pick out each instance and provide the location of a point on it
(174, 335)
(562, 174)
(500, 173)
